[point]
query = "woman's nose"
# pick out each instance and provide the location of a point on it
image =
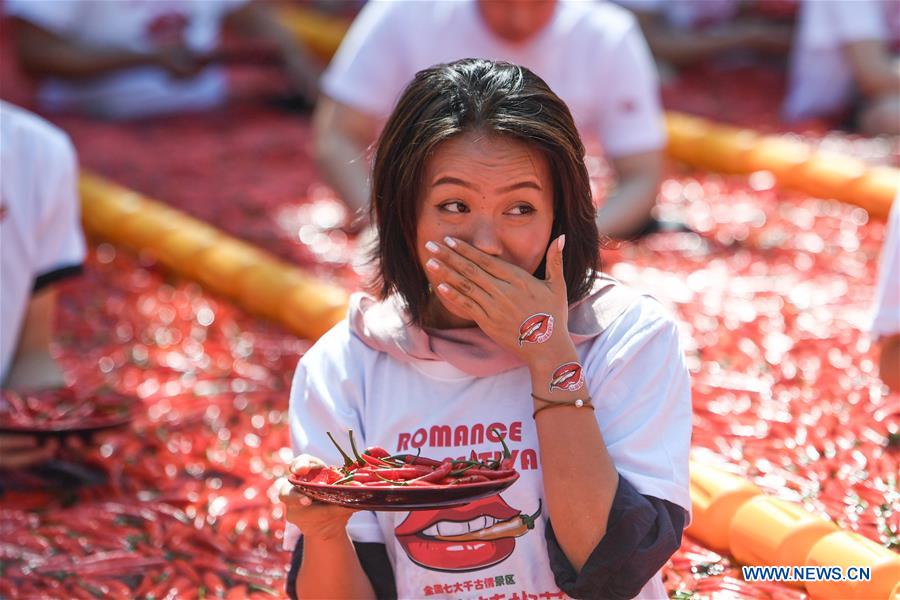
(486, 239)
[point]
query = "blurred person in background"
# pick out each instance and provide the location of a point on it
(886, 324)
(592, 54)
(845, 64)
(684, 32)
(139, 58)
(42, 244)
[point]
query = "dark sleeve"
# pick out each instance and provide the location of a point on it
(57, 275)
(641, 534)
(374, 560)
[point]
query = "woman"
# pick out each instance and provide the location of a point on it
(492, 316)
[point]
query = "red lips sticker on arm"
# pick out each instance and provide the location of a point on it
(567, 377)
(536, 329)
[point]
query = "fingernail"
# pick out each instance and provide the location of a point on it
(431, 246)
(305, 501)
(443, 287)
(561, 242)
(431, 265)
(450, 241)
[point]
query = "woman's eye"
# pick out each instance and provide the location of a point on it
(454, 206)
(522, 209)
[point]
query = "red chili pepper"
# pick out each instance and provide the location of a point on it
(438, 474)
(399, 473)
(162, 587)
(145, 586)
(492, 473)
(359, 476)
(470, 479)
(377, 452)
(183, 568)
(237, 593)
(211, 562)
(326, 475)
(375, 462)
(76, 591)
(117, 589)
(420, 460)
(179, 588)
(213, 584)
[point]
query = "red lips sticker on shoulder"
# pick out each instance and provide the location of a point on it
(536, 329)
(567, 377)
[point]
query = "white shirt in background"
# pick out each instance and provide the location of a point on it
(886, 321)
(635, 372)
(821, 79)
(687, 14)
(593, 55)
(139, 26)
(40, 226)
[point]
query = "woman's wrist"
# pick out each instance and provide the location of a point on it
(556, 373)
(330, 533)
(552, 354)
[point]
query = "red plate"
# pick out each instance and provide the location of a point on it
(64, 411)
(398, 497)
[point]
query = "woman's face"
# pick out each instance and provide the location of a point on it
(493, 192)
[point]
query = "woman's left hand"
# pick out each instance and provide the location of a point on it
(517, 310)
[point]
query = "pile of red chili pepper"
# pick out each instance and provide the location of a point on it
(62, 410)
(376, 467)
(772, 293)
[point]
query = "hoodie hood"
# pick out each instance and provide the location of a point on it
(385, 326)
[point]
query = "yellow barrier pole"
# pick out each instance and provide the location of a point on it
(256, 280)
(320, 32)
(770, 531)
(846, 549)
(708, 145)
(731, 514)
(715, 497)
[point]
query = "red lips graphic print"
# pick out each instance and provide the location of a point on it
(464, 538)
(536, 329)
(567, 378)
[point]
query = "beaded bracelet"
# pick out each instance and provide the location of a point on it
(579, 403)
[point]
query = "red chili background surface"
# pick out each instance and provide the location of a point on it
(773, 295)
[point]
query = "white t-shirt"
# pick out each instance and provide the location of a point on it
(887, 308)
(821, 79)
(40, 227)
(138, 26)
(592, 55)
(639, 382)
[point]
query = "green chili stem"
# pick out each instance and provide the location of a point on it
(530, 519)
(506, 452)
(388, 480)
(344, 479)
(459, 472)
(348, 462)
(359, 459)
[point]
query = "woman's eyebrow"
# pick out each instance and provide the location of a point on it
(519, 185)
(447, 180)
